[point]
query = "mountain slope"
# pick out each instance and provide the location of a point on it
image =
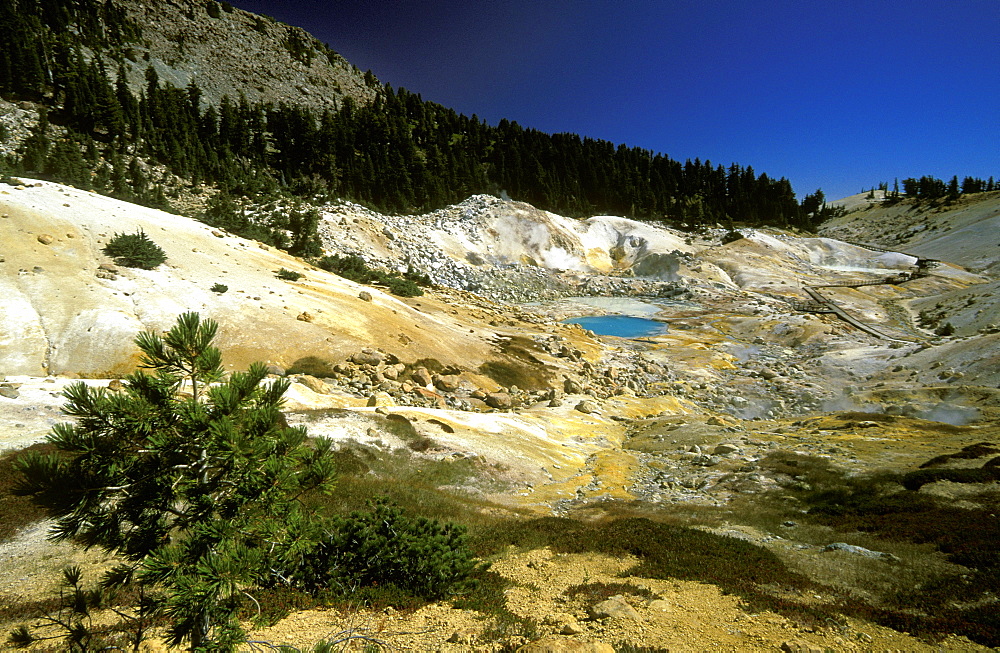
(60, 316)
(237, 53)
(963, 232)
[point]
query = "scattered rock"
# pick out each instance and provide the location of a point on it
(800, 646)
(6, 390)
(859, 550)
(45, 239)
(571, 628)
(447, 428)
(499, 400)
(587, 407)
(716, 421)
(368, 357)
(381, 400)
(465, 637)
(364, 295)
(305, 316)
(421, 376)
(557, 644)
(615, 607)
(276, 370)
(313, 383)
(392, 372)
(448, 382)
(725, 449)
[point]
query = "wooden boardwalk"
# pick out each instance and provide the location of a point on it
(822, 304)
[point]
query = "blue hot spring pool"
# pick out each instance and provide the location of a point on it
(623, 326)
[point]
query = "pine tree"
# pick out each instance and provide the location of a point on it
(953, 188)
(35, 149)
(191, 480)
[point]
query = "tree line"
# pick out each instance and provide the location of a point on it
(398, 153)
(932, 188)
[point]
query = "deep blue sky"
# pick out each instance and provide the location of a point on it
(837, 95)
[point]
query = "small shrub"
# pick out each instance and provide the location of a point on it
(213, 9)
(135, 251)
(945, 329)
(421, 444)
(226, 7)
(353, 267)
(403, 287)
(219, 288)
(288, 275)
(382, 547)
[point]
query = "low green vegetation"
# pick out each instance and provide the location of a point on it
(353, 267)
(135, 251)
(288, 275)
(886, 508)
(382, 546)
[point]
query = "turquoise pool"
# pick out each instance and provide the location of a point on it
(623, 326)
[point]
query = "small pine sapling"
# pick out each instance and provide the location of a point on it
(192, 481)
(135, 251)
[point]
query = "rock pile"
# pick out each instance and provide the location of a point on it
(445, 244)
(372, 372)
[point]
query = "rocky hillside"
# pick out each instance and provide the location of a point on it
(70, 310)
(228, 51)
(963, 232)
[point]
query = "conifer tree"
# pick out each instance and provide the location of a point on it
(191, 480)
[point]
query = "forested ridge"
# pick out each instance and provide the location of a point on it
(397, 153)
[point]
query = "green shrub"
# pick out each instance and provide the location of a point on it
(213, 9)
(946, 329)
(288, 275)
(403, 287)
(383, 547)
(350, 266)
(135, 251)
(219, 288)
(353, 267)
(195, 494)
